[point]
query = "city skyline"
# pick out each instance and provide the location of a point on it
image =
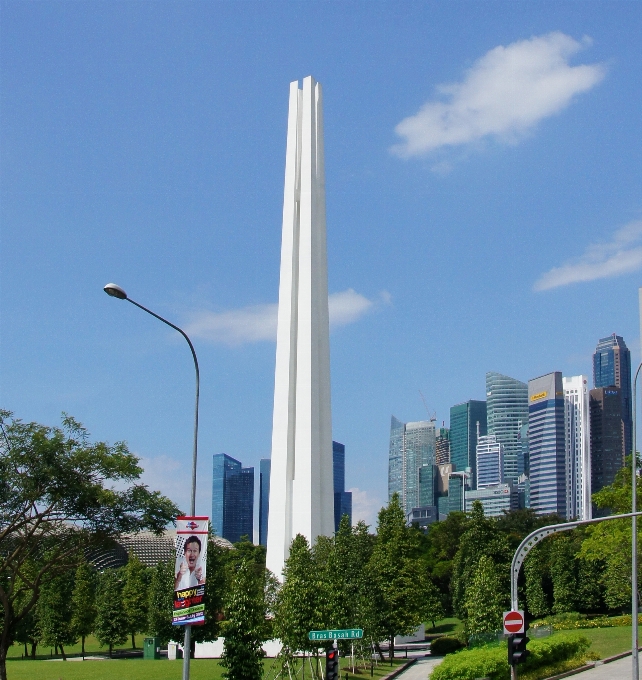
(144, 144)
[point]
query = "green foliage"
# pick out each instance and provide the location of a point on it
(445, 645)
(54, 613)
(563, 574)
(575, 621)
(244, 628)
(111, 621)
(214, 591)
(83, 602)
(485, 601)
(492, 661)
(481, 538)
(135, 596)
(161, 604)
(536, 569)
(57, 499)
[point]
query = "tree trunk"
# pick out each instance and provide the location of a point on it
(34, 646)
(3, 662)
(391, 649)
(83, 646)
(62, 651)
(379, 652)
(133, 640)
(111, 647)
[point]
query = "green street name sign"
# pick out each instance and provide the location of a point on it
(346, 634)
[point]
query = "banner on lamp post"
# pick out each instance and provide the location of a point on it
(190, 570)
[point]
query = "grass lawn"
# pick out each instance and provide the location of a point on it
(138, 669)
(608, 641)
(444, 627)
(92, 646)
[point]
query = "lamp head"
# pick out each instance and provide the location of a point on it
(115, 291)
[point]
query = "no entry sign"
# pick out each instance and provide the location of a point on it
(513, 622)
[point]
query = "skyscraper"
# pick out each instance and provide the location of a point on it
(412, 446)
(607, 435)
(464, 420)
(612, 367)
(264, 499)
(507, 411)
(578, 447)
(232, 498)
(547, 450)
(342, 498)
(490, 461)
(301, 483)
(442, 446)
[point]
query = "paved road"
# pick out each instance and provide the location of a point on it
(421, 670)
(608, 671)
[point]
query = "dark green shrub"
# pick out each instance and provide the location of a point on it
(445, 645)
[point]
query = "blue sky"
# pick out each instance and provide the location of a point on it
(484, 210)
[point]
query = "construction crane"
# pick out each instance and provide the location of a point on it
(432, 417)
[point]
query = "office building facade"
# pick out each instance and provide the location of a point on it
(442, 446)
(342, 498)
(578, 447)
(612, 368)
(412, 446)
(507, 412)
(466, 420)
(496, 499)
(490, 461)
(232, 499)
(264, 499)
(607, 435)
(546, 444)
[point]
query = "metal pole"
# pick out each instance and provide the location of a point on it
(635, 642)
(187, 640)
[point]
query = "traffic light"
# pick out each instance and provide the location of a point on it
(332, 664)
(517, 652)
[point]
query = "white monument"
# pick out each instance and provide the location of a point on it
(301, 478)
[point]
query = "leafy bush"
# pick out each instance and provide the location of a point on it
(492, 662)
(577, 621)
(445, 645)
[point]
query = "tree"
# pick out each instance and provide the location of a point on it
(484, 599)
(83, 602)
(161, 603)
(111, 622)
(395, 603)
(135, 596)
(57, 498)
(563, 574)
(55, 613)
(244, 626)
(481, 538)
(536, 571)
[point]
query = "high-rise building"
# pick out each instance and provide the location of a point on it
(546, 444)
(412, 446)
(490, 461)
(612, 367)
(301, 484)
(607, 435)
(578, 447)
(232, 498)
(442, 446)
(465, 421)
(496, 499)
(507, 412)
(264, 499)
(342, 498)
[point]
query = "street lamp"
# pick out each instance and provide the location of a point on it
(116, 291)
(634, 539)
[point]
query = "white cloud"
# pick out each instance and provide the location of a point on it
(621, 255)
(503, 95)
(258, 322)
(364, 507)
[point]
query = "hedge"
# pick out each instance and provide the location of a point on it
(577, 622)
(492, 662)
(445, 645)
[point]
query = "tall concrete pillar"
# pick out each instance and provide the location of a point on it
(301, 482)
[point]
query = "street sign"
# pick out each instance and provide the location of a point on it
(345, 634)
(513, 622)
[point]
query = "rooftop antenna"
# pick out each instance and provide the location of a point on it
(432, 417)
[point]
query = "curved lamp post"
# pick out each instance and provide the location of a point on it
(634, 540)
(116, 291)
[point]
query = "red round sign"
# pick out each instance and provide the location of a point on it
(513, 622)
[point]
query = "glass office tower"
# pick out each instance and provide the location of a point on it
(490, 461)
(546, 444)
(507, 411)
(612, 368)
(464, 421)
(232, 498)
(264, 499)
(395, 458)
(607, 435)
(342, 498)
